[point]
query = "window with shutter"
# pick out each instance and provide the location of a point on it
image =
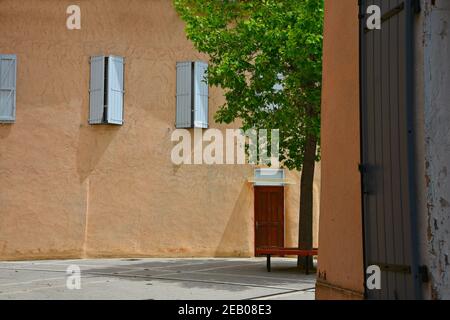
(201, 95)
(184, 95)
(97, 90)
(115, 90)
(192, 95)
(8, 88)
(106, 90)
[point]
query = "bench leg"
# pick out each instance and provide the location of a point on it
(268, 263)
(307, 265)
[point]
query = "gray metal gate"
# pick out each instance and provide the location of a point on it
(387, 149)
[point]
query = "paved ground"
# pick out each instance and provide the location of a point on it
(191, 279)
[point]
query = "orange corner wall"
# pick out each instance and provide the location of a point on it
(340, 269)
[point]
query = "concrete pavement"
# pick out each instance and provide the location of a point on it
(190, 279)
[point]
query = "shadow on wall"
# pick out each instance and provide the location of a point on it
(93, 142)
(5, 130)
(239, 223)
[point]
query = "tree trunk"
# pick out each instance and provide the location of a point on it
(305, 237)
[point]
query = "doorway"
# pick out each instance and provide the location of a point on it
(269, 216)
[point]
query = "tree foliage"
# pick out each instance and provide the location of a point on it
(267, 56)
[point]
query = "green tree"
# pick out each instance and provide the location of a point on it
(267, 56)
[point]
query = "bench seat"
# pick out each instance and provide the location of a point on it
(276, 251)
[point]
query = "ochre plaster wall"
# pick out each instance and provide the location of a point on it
(71, 190)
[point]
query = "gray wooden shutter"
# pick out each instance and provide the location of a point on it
(184, 95)
(200, 95)
(115, 90)
(8, 88)
(387, 132)
(97, 90)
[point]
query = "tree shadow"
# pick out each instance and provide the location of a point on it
(5, 130)
(93, 142)
(216, 274)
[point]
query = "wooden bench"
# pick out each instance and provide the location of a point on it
(275, 251)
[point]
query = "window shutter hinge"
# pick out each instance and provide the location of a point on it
(365, 189)
(362, 168)
(423, 273)
(416, 6)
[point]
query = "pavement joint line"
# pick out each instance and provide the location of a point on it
(29, 282)
(36, 270)
(202, 271)
(165, 277)
(128, 269)
(102, 259)
(139, 268)
(267, 297)
(198, 261)
(38, 280)
(223, 267)
(209, 273)
(150, 268)
(183, 265)
(118, 267)
(51, 287)
(162, 277)
(193, 271)
(35, 261)
(259, 277)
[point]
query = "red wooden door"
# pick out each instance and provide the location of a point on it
(269, 217)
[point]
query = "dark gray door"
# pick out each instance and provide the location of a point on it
(387, 149)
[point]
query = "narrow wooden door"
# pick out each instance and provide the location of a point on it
(269, 217)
